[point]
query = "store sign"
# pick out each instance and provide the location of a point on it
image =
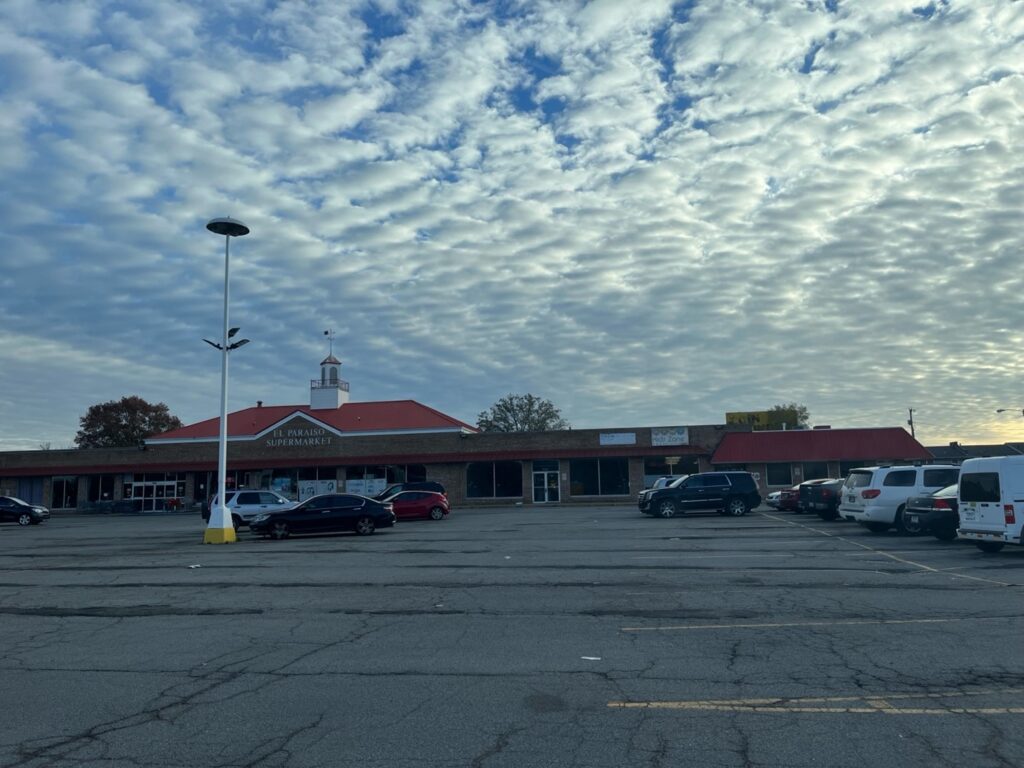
(618, 438)
(670, 436)
(296, 437)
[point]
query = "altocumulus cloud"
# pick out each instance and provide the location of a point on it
(649, 212)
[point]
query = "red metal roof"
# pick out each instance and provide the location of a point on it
(385, 416)
(867, 444)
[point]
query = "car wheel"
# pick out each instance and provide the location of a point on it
(236, 521)
(877, 527)
(667, 508)
(365, 525)
(828, 515)
(946, 534)
(279, 530)
(905, 526)
(737, 507)
(989, 547)
(436, 513)
(24, 519)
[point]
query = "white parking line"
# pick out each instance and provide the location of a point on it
(898, 559)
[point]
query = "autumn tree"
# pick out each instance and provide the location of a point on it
(792, 415)
(521, 413)
(122, 423)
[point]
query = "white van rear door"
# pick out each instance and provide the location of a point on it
(981, 507)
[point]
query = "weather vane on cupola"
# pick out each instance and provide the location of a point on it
(329, 333)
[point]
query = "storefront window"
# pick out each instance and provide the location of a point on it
(814, 470)
(657, 466)
(508, 478)
(779, 474)
(480, 480)
(599, 477)
(614, 477)
(583, 477)
(494, 479)
(65, 492)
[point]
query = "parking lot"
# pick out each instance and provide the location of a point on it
(560, 636)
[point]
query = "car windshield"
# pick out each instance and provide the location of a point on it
(948, 492)
(678, 481)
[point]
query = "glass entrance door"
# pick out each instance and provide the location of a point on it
(545, 487)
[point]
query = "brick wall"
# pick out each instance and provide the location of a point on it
(444, 454)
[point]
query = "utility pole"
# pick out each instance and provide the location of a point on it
(910, 421)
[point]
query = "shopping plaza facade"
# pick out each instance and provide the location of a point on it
(360, 447)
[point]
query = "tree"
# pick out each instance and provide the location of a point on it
(122, 423)
(521, 413)
(793, 415)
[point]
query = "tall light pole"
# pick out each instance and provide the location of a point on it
(221, 529)
(1004, 410)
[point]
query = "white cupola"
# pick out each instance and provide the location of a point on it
(329, 391)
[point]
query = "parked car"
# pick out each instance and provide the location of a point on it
(21, 512)
(824, 499)
(419, 485)
(674, 482)
(934, 513)
(419, 504)
(803, 503)
(991, 502)
(245, 504)
(789, 499)
(731, 493)
(772, 499)
(876, 497)
(328, 513)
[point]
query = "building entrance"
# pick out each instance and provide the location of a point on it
(545, 482)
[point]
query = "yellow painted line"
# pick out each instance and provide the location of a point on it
(881, 704)
(889, 555)
(699, 707)
(837, 623)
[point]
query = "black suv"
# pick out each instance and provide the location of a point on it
(731, 493)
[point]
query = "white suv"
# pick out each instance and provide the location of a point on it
(875, 496)
(246, 504)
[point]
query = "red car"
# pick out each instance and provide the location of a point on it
(412, 504)
(790, 499)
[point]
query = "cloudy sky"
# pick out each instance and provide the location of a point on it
(648, 212)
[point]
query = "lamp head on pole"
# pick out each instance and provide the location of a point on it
(229, 227)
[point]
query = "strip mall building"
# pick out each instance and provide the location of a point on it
(333, 444)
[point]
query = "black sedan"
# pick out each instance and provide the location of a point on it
(936, 514)
(329, 513)
(21, 512)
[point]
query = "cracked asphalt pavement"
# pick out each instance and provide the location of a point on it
(560, 636)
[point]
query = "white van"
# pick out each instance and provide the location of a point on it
(876, 496)
(991, 501)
